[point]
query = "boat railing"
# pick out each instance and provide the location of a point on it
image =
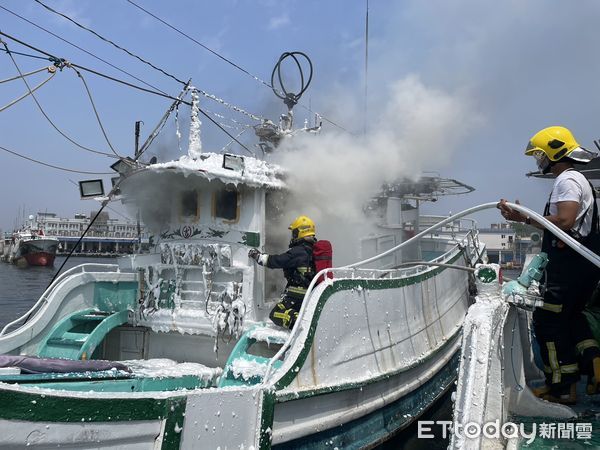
(454, 228)
(472, 236)
(43, 300)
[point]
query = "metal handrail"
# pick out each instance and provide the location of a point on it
(466, 219)
(44, 297)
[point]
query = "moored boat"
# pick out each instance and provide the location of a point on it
(29, 246)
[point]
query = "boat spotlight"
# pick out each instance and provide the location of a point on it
(91, 188)
(123, 166)
(233, 162)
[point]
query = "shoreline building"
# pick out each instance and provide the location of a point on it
(106, 236)
(506, 247)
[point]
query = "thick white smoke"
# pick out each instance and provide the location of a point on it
(333, 175)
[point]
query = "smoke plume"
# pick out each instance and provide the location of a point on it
(333, 175)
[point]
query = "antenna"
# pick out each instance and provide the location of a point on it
(366, 69)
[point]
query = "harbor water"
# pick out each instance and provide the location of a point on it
(21, 288)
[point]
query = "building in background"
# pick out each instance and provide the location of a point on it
(508, 245)
(106, 236)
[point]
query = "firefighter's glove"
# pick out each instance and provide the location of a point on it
(257, 256)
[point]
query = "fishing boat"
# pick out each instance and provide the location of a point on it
(173, 349)
(29, 246)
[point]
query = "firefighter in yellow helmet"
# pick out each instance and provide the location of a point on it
(567, 345)
(298, 269)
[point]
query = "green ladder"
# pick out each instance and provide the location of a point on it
(241, 357)
(78, 335)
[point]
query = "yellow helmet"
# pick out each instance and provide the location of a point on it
(557, 143)
(302, 227)
(553, 144)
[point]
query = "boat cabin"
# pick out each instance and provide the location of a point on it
(203, 216)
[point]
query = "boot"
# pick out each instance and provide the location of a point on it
(593, 383)
(564, 396)
(541, 390)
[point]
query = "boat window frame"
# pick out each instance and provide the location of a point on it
(227, 188)
(190, 218)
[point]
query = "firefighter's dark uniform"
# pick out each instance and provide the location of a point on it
(298, 269)
(560, 327)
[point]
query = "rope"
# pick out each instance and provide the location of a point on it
(83, 27)
(42, 109)
(26, 94)
(24, 75)
(53, 166)
(87, 89)
(77, 47)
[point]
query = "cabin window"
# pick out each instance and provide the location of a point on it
(189, 205)
(226, 205)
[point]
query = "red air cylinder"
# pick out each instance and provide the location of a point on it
(323, 257)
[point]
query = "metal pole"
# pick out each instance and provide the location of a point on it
(137, 154)
(137, 138)
(366, 69)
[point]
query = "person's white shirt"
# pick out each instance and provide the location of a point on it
(572, 186)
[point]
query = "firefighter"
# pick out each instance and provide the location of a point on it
(298, 269)
(567, 345)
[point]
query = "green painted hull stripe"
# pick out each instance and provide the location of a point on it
(380, 425)
(266, 420)
(343, 285)
(38, 407)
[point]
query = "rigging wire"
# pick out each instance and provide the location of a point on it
(83, 27)
(199, 43)
(79, 48)
(52, 165)
(204, 113)
(26, 94)
(24, 75)
(232, 63)
(117, 80)
(44, 112)
(204, 93)
(163, 121)
(87, 89)
(23, 54)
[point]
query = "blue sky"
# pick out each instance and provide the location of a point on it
(519, 66)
